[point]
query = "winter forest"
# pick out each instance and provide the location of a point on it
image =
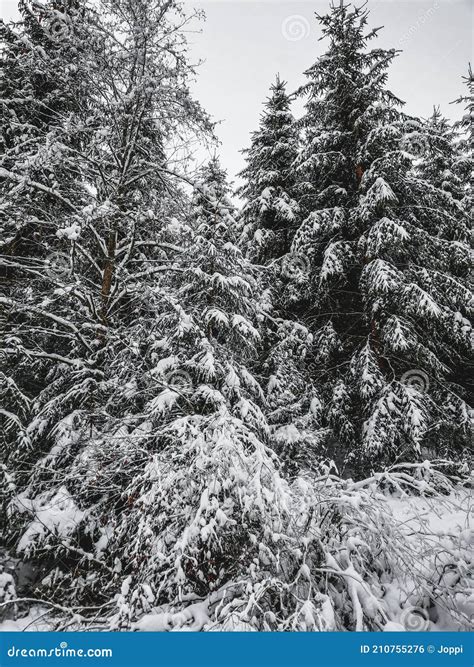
(229, 409)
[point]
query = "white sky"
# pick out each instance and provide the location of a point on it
(245, 43)
(244, 46)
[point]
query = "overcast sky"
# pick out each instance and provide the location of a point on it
(244, 43)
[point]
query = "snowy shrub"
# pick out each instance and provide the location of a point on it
(7, 594)
(349, 560)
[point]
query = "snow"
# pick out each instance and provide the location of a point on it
(287, 434)
(72, 233)
(37, 620)
(166, 364)
(191, 619)
(420, 520)
(438, 530)
(55, 514)
(7, 587)
(448, 517)
(163, 402)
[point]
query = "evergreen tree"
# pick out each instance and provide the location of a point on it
(464, 156)
(44, 104)
(217, 288)
(210, 432)
(270, 213)
(270, 217)
(387, 294)
(442, 161)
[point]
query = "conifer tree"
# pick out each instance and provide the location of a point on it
(44, 104)
(442, 161)
(210, 432)
(466, 129)
(216, 286)
(270, 217)
(387, 294)
(270, 213)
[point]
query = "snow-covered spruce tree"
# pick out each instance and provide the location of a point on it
(465, 126)
(270, 213)
(386, 294)
(447, 163)
(42, 98)
(94, 185)
(443, 161)
(269, 218)
(210, 500)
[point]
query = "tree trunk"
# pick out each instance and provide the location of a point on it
(108, 275)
